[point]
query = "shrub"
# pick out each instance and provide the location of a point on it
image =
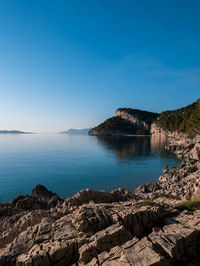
(148, 202)
(190, 205)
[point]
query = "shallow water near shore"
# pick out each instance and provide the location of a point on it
(67, 164)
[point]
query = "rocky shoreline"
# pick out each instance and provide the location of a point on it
(152, 226)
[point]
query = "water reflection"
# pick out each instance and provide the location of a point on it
(158, 143)
(67, 164)
(130, 147)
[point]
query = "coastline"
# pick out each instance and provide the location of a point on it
(101, 228)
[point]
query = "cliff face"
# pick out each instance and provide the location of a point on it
(156, 130)
(126, 121)
(141, 119)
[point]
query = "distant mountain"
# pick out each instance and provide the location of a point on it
(14, 132)
(126, 121)
(73, 131)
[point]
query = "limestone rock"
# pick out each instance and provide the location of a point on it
(146, 188)
(104, 241)
(42, 193)
(86, 196)
(134, 252)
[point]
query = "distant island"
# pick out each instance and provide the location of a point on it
(73, 131)
(14, 132)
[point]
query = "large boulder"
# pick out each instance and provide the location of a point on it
(147, 188)
(104, 241)
(134, 252)
(175, 244)
(195, 152)
(42, 193)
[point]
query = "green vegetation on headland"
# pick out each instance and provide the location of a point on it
(117, 125)
(185, 120)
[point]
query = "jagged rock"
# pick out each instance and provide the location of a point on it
(92, 218)
(176, 242)
(134, 252)
(42, 193)
(11, 227)
(29, 203)
(146, 188)
(104, 241)
(85, 196)
(36, 233)
(141, 220)
(166, 169)
(195, 152)
(58, 254)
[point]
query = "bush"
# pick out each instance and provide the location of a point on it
(148, 202)
(190, 205)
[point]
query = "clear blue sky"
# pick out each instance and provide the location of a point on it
(71, 63)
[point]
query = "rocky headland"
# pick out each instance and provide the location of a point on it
(158, 225)
(127, 121)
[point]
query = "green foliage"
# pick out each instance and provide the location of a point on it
(117, 124)
(148, 202)
(186, 119)
(190, 205)
(191, 135)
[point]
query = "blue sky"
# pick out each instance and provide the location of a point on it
(71, 63)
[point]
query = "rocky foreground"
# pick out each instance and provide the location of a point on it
(151, 227)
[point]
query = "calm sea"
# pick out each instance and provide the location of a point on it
(67, 164)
